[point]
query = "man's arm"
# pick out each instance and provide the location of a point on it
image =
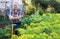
(10, 16)
(21, 14)
(18, 17)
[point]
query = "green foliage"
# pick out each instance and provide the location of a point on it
(3, 20)
(44, 4)
(41, 11)
(30, 10)
(41, 3)
(46, 26)
(5, 33)
(56, 5)
(24, 3)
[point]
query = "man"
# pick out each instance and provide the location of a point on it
(15, 16)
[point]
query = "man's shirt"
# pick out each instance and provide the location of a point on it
(16, 14)
(19, 13)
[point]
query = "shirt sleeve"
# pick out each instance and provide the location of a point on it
(10, 14)
(21, 13)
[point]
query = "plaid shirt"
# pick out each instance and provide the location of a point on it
(17, 14)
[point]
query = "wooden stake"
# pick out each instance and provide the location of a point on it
(12, 31)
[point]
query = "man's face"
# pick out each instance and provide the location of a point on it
(15, 6)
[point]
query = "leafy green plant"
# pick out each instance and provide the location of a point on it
(46, 26)
(3, 20)
(30, 10)
(5, 33)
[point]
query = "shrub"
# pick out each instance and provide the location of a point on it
(5, 33)
(30, 10)
(40, 27)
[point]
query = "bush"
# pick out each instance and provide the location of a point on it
(30, 10)
(5, 33)
(3, 20)
(41, 11)
(40, 27)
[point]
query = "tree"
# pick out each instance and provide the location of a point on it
(44, 4)
(56, 5)
(41, 3)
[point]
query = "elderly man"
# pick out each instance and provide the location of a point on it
(15, 16)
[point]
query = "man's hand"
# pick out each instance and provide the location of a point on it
(11, 17)
(17, 17)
